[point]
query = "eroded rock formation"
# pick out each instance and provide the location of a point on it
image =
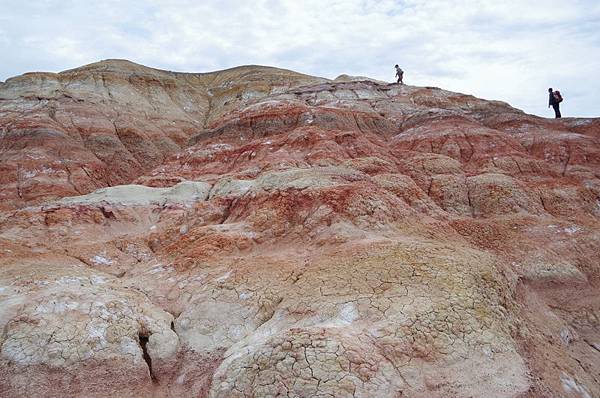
(258, 232)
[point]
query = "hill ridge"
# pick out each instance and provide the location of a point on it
(259, 232)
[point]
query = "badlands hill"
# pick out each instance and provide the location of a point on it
(256, 232)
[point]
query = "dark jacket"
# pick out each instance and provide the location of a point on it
(551, 100)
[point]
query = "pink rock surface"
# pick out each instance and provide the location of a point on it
(265, 233)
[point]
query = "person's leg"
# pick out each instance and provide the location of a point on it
(556, 111)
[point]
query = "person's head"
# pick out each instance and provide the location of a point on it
(396, 66)
(550, 90)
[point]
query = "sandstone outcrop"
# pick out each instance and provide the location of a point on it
(292, 236)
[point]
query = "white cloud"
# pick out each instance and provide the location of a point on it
(511, 50)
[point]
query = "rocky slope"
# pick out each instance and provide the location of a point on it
(106, 123)
(260, 232)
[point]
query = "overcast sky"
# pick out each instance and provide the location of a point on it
(507, 50)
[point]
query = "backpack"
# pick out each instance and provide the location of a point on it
(558, 97)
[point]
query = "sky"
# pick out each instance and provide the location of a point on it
(510, 50)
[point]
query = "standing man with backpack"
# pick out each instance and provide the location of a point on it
(554, 99)
(399, 74)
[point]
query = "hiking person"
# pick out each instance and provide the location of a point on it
(554, 99)
(399, 74)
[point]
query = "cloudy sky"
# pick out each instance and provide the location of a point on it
(510, 50)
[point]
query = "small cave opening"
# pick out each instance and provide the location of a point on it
(144, 337)
(107, 212)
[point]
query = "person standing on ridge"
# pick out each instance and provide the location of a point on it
(554, 99)
(399, 74)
